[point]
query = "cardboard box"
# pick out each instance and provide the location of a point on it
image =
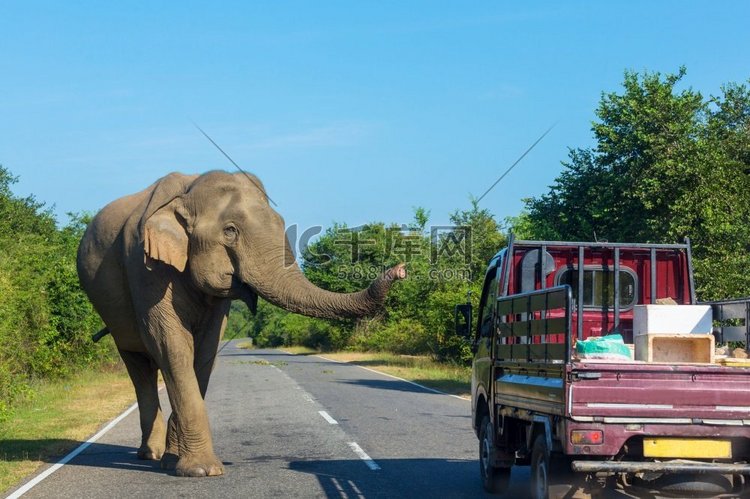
(680, 348)
(672, 319)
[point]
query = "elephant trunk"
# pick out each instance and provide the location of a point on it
(289, 289)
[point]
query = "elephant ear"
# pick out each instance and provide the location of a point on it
(164, 226)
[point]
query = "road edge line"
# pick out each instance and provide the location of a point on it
(71, 455)
(396, 377)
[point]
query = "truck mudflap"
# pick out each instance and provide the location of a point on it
(676, 466)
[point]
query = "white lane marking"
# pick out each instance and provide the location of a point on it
(62, 462)
(339, 488)
(396, 377)
(328, 417)
(356, 490)
(363, 456)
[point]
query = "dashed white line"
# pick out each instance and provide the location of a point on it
(363, 456)
(328, 417)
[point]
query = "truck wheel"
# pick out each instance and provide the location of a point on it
(686, 485)
(540, 468)
(495, 480)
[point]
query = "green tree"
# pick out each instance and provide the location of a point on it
(667, 164)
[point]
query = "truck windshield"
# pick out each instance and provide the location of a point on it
(599, 286)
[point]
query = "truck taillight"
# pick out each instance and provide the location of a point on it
(587, 437)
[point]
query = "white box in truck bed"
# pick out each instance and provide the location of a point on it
(672, 319)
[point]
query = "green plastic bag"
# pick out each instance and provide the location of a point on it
(610, 347)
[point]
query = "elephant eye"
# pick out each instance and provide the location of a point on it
(231, 233)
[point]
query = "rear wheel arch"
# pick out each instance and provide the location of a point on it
(482, 410)
(541, 426)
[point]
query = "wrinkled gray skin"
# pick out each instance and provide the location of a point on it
(161, 268)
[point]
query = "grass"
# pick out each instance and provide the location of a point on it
(260, 362)
(448, 378)
(59, 416)
(300, 350)
(245, 345)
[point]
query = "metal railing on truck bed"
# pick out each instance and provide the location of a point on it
(616, 249)
(733, 318)
(526, 321)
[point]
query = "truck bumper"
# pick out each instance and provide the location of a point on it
(661, 467)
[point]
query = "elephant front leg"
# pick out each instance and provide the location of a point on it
(195, 446)
(172, 453)
(205, 347)
(196, 454)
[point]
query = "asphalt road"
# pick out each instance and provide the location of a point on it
(300, 426)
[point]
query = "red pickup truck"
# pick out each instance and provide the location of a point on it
(647, 428)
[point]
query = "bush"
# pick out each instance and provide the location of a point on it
(293, 329)
(46, 320)
(407, 336)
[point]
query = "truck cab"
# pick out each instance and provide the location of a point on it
(644, 425)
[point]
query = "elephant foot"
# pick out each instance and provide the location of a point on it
(199, 466)
(150, 454)
(169, 461)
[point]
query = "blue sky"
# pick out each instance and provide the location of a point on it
(348, 111)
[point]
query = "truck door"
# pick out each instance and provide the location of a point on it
(481, 372)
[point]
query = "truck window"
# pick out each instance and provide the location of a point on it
(486, 304)
(599, 286)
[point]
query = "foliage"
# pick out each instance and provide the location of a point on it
(405, 336)
(667, 164)
(273, 327)
(46, 321)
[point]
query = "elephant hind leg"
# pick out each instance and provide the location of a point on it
(143, 374)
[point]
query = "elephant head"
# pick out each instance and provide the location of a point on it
(220, 229)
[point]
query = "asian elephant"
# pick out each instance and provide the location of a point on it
(161, 268)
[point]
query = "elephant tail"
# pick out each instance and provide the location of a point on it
(101, 334)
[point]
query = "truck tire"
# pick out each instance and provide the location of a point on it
(494, 480)
(686, 485)
(540, 471)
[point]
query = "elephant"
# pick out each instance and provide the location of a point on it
(161, 268)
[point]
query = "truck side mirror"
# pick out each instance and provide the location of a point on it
(463, 320)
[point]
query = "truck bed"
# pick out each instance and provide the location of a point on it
(609, 392)
(676, 393)
(629, 401)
